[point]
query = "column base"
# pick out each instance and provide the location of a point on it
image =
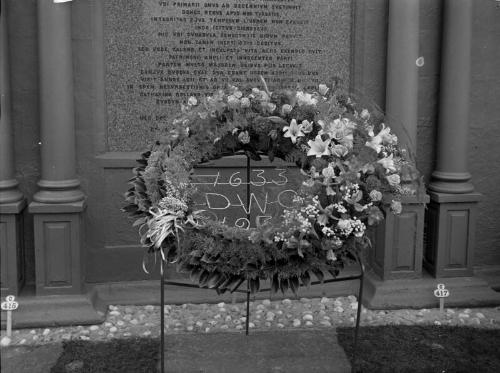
(419, 293)
(451, 222)
(12, 247)
(60, 191)
(58, 247)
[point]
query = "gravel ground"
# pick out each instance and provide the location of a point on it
(127, 321)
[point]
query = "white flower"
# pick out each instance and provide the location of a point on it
(375, 195)
(339, 130)
(245, 102)
(286, 109)
(330, 255)
(384, 137)
(293, 131)
(318, 147)
(306, 126)
(270, 107)
(365, 114)
(305, 99)
(343, 224)
(323, 89)
(394, 179)
(339, 150)
(192, 101)
(233, 102)
(396, 207)
(328, 172)
(244, 137)
(388, 163)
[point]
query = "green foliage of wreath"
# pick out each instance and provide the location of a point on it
(352, 166)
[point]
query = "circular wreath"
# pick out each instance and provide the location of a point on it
(352, 167)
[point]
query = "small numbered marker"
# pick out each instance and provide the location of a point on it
(9, 305)
(441, 292)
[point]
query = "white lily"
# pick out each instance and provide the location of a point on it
(318, 147)
(293, 131)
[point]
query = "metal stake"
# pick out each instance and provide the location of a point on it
(162, 317)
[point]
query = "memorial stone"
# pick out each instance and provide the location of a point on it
(158, 53)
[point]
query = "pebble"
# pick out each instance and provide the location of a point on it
(126, 321)
(5, 341)
(307, 317)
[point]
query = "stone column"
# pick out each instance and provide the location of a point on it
(12, 201)
(401, 105)
(452, 211)
(58, 205)
(398, 248)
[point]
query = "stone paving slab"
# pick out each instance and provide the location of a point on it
(261, 351)
(30, 359)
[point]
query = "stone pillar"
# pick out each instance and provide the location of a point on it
(401, 105)
(58, 205)
(452, 211)
(398, 241)
(12, 201)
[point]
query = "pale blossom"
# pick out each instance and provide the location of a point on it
(396, 207)
(293, 131)
(245, 102)
(192, 101)
(306, 126)
(339, 150)
(388, 163)
(394, 179)
(318, 147)
(365, 114)
(244, 137)
(323, 89)
(233, 102)
(375, 195)
(286, 109)
(328, 172)
(339, 130)
(384, 137)
(305, 99)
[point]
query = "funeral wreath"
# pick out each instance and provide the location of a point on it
(354, 172)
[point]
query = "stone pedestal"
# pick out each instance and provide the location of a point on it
(451, 222)
(12, 247)
(398, 241)
(58, 247)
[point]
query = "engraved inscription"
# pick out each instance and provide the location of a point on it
(158, 53)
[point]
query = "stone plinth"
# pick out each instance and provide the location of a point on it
(451, 222)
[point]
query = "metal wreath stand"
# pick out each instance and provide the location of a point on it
(163, 281)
